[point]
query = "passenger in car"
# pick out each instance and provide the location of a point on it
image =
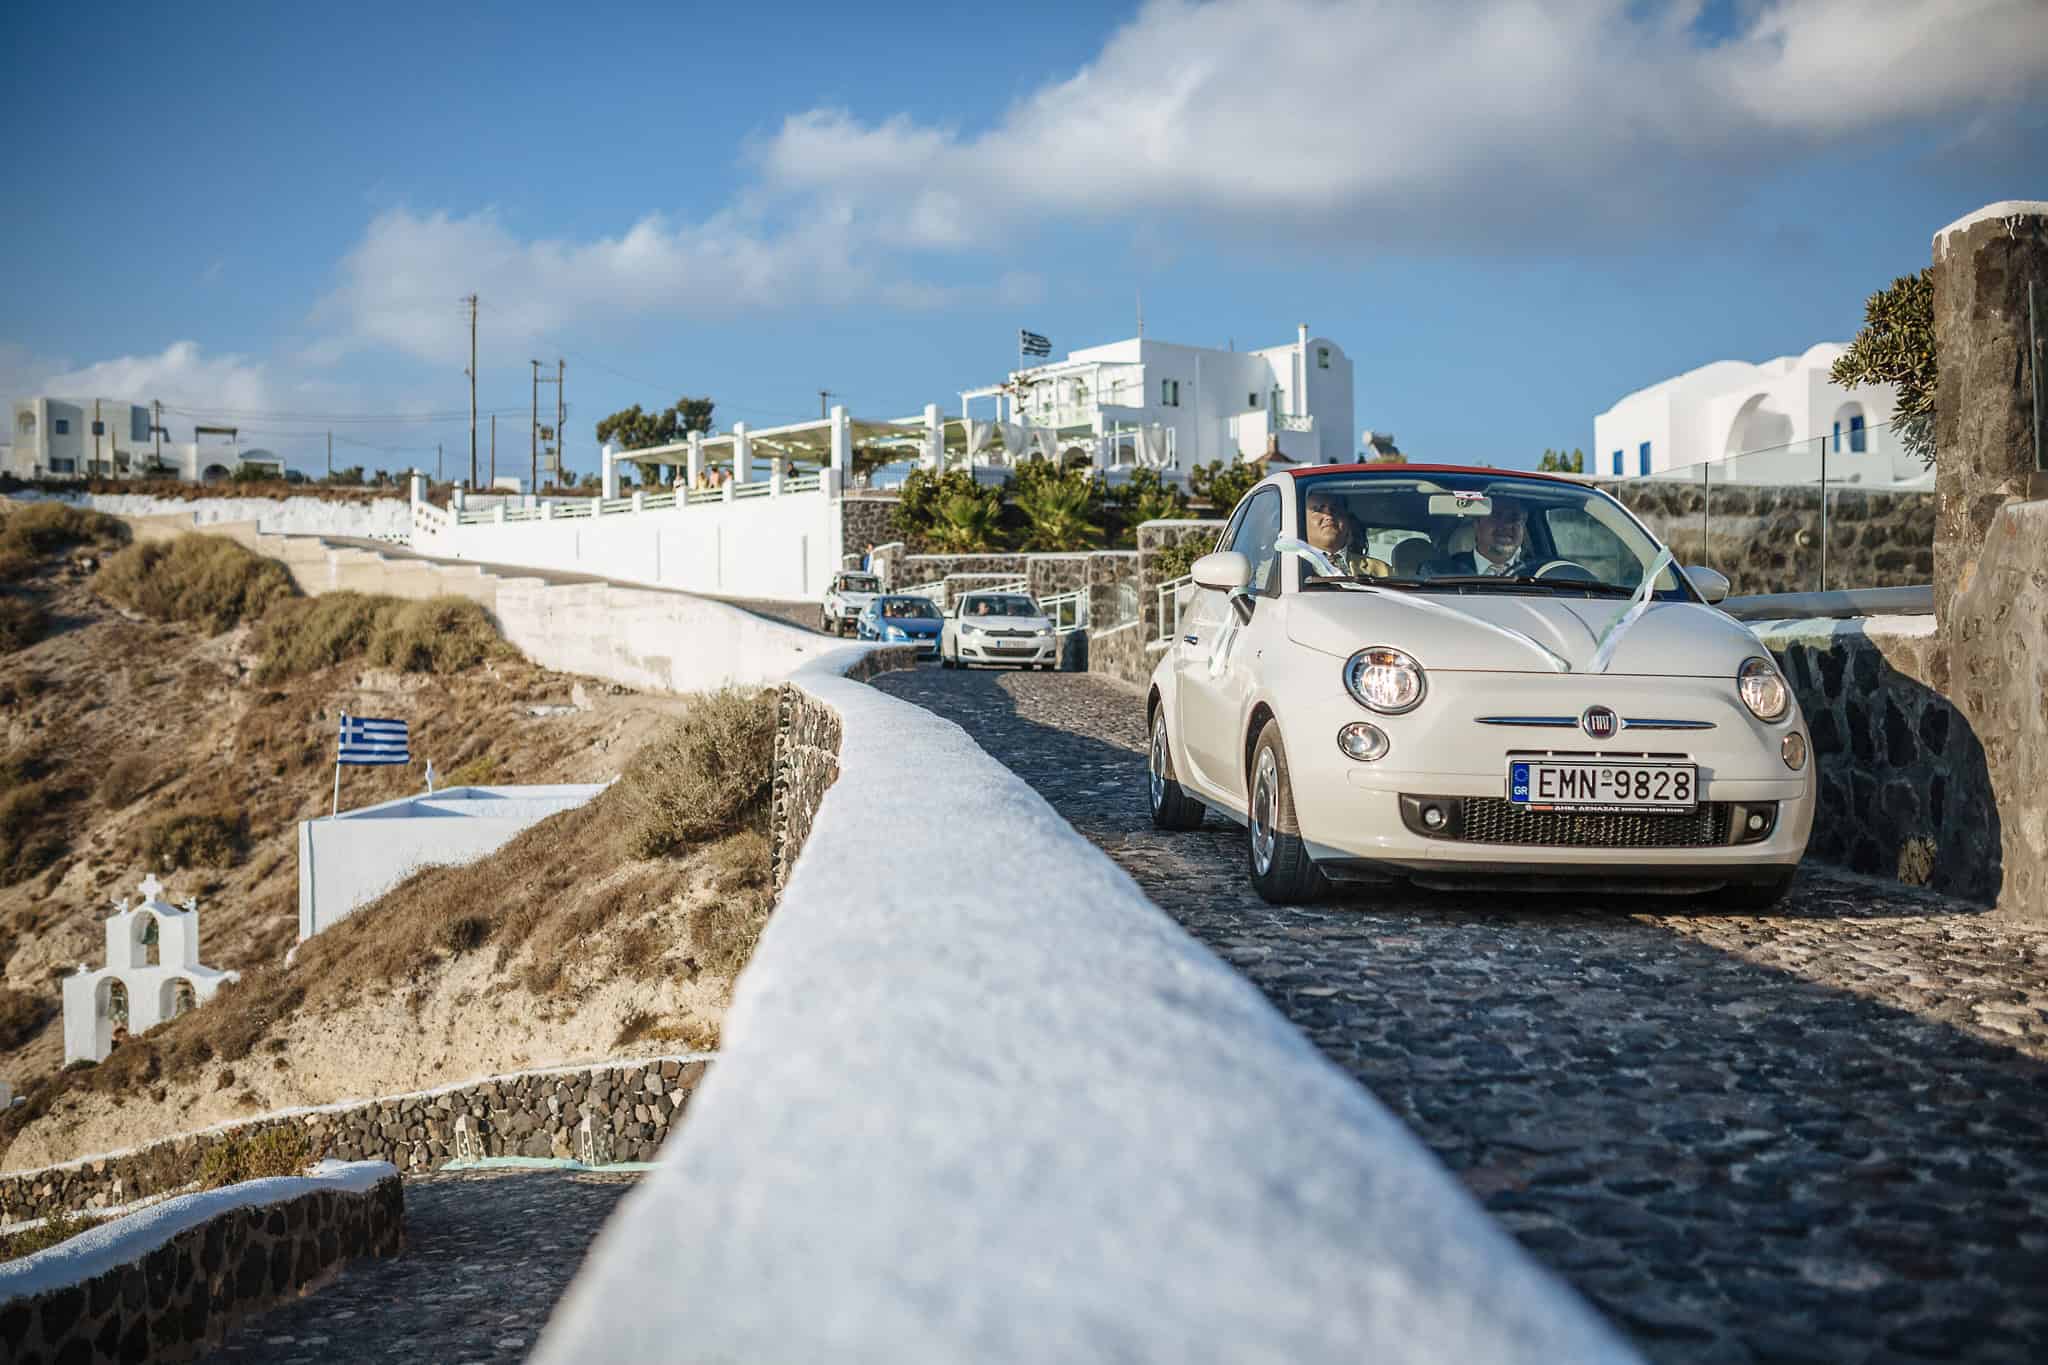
(1335, 532)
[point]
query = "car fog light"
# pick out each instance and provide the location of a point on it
(1362, 742)
(1433, 816)
(1756, 819)
(1794, 750)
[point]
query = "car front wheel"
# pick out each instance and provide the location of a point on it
(1277, 859)
(1172, 808)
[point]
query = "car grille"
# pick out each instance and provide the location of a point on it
(1013, 634)
(1492, 820)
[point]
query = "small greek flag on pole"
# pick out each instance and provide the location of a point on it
(369, 740)
(1031, 343)
(366, 739)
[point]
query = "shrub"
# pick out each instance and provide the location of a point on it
(209, 580)
(193, 838)
(38, 528)
(125, 779)
(256, 1156)
(1176, 560)
(710, 774)
(27, 845)
(1060, 508)
(58, 1227)
(22, 1016)
(22, 623)
(723, 933)
(439, 635)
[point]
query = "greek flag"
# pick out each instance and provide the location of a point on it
(1031, 343)
(367, 739)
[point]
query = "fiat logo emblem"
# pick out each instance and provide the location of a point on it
(1599, 722)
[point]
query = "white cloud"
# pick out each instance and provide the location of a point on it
(402, 283)
(1488, 122)
(181, 375)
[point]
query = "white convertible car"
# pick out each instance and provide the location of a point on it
(1458, 677)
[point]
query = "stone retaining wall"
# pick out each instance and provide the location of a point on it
(175, 1300)
(1767, 538)
(1904, 789)
(618, 1111)
(866, 519)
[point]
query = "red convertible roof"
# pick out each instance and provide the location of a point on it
(1478, 470)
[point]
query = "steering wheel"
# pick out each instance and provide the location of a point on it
(1566, 570)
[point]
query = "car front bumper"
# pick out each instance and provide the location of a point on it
(983, 650)
(1351, 814)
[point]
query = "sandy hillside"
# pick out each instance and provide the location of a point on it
(563, 948)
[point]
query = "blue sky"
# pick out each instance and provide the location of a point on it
(1510, 212)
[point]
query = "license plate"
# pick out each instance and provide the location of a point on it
(1565, 785)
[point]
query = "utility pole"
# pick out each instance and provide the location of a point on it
(437, 462)
(533, 433)
(330, 457)
(97, 427)
(561, 416)
(494, 450)
(471, 301)
(824, 397)
(156, 431)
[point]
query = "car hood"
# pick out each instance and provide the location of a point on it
(1007, 622)
(852, 599)
(1682, 639)
(910, 625)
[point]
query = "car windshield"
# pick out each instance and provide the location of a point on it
(859, 582)
(1484, 532)
(998, 604)
(914, 608)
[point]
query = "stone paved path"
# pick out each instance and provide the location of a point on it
(488, 1254)
(1815, 1135)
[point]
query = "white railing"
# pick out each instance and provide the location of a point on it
(936, 590)
(1069, 611)
(802, 483)
(751, 490)
(655, 502)
(1173, 596)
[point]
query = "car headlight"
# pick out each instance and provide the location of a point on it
(894, 633)
(1385, 680)
(1763, 691)
(966, 629)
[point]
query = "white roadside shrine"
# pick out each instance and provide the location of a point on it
(152, 975)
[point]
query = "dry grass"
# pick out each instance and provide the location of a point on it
(438, 635)
(61, 1227)
(256, 1156)
(31, 824)
(208, 580)
(22, 1016)
(126, 779)
(708, 777)
(32, 530)
(22, 622)
(201, 837)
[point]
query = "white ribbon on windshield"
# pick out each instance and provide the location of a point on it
(1610, 639)
(1320, 562)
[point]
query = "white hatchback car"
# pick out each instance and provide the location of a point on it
(1004, 627)
(1452, 677)
(847, 595)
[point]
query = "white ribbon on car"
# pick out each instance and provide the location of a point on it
(1610, 639)
(1320, 562)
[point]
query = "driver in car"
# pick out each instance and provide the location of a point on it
(1499, 545)
(1335, 532)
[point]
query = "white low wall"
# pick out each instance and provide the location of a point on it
(1021, 1116)
(381, 519)
(348, 860)
(785, 546)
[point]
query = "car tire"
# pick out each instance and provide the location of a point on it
(1172, 808)
(1276, 858)
(1752, 895)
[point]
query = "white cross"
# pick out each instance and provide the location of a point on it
(150, 887)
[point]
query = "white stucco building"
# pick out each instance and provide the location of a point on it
(76, 438)
(348, 860)
(1142, 401)
(1767, 423)
(152, 975)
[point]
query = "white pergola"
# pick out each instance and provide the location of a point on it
(826, 443)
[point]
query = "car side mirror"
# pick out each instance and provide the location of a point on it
(1225, 571)
(1712, 583)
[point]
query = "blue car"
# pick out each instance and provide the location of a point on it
(894, 620)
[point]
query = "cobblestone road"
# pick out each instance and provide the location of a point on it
(1815, 1135)
(488, 1253)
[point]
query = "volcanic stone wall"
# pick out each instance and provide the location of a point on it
(1767, 538)
(175, 1301)
(620, 1111)
(1904, 788)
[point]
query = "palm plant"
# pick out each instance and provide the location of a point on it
(1059, 509)
(965, 522)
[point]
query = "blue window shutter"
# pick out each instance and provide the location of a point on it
(1643, 457)
(1617, 464)
(1856, 439)
(1838, 438)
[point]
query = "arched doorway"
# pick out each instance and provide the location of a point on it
(1758, 428)
(176, 997)
(110, 1010)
